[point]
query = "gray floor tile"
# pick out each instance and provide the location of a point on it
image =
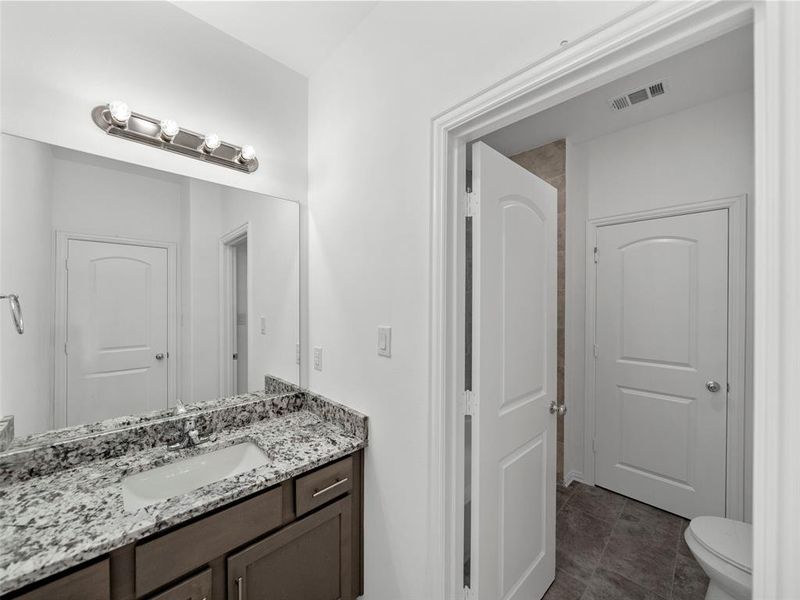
(690, 582)
(597, 502)
(651, 517)
(580, 541)
(613, 547)
(565, 587)
(638, 553)
(607, 585)
(563, 494)
(683, 549)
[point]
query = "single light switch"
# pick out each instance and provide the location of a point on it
(263, 325)
(384, 341)
(318, 358)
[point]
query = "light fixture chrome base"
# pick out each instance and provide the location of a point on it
(147, 130)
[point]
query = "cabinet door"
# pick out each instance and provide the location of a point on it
(309, 559)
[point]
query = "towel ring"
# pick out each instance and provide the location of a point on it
(16, 311)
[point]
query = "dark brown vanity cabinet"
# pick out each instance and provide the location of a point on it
(309, 559)
(300, 540)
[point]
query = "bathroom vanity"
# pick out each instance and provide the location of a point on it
(107, 514)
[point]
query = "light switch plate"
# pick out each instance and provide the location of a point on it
(384, 340)
(318, 358)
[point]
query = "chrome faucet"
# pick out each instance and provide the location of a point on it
(190, 437)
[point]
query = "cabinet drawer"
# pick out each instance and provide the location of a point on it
(197, 587)
(323, 485)
(88, 583)
(168, 557)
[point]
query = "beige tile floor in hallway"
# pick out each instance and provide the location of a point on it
(609, 547)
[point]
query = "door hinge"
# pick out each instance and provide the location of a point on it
(66, 351)
(470, 402)
(472, 204)
(469, 594)
(235, 356)
(596, 351)
(596, 255)
(66, 264)
(594, 445)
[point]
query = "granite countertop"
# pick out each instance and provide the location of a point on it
(52, 521)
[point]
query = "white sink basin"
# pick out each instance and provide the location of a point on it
(182, 476)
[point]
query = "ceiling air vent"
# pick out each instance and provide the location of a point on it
(648, 92)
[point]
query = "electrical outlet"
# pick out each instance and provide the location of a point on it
(385, 341)
(318, 358)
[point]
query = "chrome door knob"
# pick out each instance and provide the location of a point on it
(558, 409)
(160, 356)
(713, 386)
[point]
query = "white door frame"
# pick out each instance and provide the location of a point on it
(227, 306)
(647, 34)
(737, 279)
(59, 400)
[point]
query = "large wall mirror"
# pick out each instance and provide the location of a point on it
(137, 288)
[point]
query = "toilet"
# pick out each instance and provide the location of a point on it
(723, 548)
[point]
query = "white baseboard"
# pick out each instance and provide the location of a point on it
(573, 476)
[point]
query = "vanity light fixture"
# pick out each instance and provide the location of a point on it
(211, 142)
(247, 153)
(169, 129)
(117, 119)
(120, 112)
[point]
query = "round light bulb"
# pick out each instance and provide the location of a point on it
(169, 129)
(211, 142)
(247, 153)
(120, 112)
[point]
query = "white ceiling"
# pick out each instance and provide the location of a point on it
(713, 70)
(298, 34)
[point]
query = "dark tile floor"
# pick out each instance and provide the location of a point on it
(609, 547)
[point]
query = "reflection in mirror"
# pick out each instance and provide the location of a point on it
(138, 287)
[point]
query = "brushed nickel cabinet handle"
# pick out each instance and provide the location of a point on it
(239, 587)
(329, 488)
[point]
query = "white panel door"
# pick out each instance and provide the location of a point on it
(515, 378)
(116, 330)
(662, 334)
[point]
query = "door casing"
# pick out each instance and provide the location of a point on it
(737, 301)
(62, 239)
(648, 33)
(227, 306)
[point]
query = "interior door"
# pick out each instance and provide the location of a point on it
(117, 319)
(662, 338)
(515, 377)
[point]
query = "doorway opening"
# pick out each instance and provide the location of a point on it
(654, 179)
(234, 312)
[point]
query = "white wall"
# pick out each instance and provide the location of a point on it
(27, 184)
(273, 276)
(370, 111)
(701, 153)
(95, 195)
(273, 248)
(61, 59)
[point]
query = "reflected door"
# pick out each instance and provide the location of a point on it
(117, 319)
(662, 321)
(515, 376)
